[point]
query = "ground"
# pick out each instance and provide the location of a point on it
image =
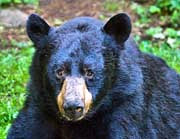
(62, 11)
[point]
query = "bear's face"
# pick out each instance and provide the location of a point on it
(75, 70)
(76, 66)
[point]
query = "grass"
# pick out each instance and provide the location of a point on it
(111, 6)
(13, 78)
(9, 2)
(171, 56)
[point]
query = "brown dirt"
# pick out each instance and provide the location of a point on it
(64, 10)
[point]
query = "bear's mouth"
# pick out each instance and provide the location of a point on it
(74, 99)
(73, 117)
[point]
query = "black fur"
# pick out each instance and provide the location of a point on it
(135, 95)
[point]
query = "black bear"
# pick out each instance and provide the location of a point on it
(90, 81)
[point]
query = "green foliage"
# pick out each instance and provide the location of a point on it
(171, 56)
(170, 8)
(154, 9)
(111, 5)
(161, 49)
(171, 32)
(5, 1)
(161, 8)
(160, 24)
(142, 13)
(168, 35)
(154, 31)
(31, 1)
(13, 78)
(8, 2)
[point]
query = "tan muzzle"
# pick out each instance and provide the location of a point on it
(74, 99)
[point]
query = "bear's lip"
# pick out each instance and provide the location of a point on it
(69, 118)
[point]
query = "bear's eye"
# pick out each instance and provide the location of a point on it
(89, 73)
(60, 73)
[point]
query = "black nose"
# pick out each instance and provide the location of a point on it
(73, 111)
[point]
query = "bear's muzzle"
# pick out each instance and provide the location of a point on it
(74, 99)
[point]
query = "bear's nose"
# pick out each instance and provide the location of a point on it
(73, 110)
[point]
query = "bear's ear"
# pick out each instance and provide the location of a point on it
(119, 26)
(36, 28)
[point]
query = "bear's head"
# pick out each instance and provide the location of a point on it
(75, 64)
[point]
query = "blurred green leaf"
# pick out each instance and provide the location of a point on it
(111, 6)
(17, 1)
(154, 9)
(171, 56)
(170, 32)
(7, 2)
(155, 32)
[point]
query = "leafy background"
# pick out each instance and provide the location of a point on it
(156, 29)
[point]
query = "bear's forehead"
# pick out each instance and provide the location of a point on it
(79, 34)
(80, 24)
(78, 48)
(75, 55)
(78, 39)
(90, 41)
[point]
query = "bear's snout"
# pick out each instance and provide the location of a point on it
(74, 99)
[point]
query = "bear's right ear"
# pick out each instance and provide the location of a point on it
(119, 26)
(36, 28)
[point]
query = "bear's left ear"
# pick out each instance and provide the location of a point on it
(119, 26)
(36, 28)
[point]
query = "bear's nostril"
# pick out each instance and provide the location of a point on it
(79, 109)
(73, 111)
